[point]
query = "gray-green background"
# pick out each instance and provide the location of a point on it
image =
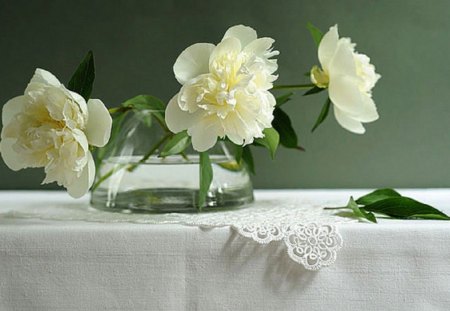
(137, 42)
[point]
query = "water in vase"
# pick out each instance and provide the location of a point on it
(168, 184)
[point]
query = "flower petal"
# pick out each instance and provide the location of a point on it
(343, 61)
(13, 107)
(366, 71)
(42, 77)
(243, 33)
(327, 46)
(98, 129)
(79, 100)
(260, 47)
(238, 130)
(192, 62)
(345, 94)
(82, 184)
(11, 158)
(205, 133)
(347, 122)
(227, 46)
(188, 97)
(370, 110)
(178, 120)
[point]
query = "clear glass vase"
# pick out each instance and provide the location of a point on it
(132, 176)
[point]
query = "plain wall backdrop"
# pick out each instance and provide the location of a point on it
(136, 43)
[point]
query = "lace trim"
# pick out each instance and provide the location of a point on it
(312, 245)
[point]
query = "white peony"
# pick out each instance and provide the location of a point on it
(225, 89)
(350, 78)
(52, 127)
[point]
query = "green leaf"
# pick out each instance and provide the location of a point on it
(323, 114)
(206, 176)
(238, 153)
(360, 212)
(403, 207)
(430, 217)
(314, 90)
(283, 99)
(247, 157)
(147, 103)
(282, 123)
(390, 203)
(365, 214)
(82, 80)
(177, 144)
(377, 195)
(315, 32)
(270, 140)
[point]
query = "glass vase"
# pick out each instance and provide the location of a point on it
(132, 176)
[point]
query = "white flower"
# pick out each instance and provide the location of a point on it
(225, 89)
(52, 127)
(350, 78)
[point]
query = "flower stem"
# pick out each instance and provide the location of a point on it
(150, 152)
(118, 109)
(335, 208)
(293, 86)
(184, 156)
(107, 175)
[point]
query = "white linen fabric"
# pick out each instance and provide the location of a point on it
(307, 230)
(78, 265)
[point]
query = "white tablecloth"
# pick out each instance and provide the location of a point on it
(73, 265)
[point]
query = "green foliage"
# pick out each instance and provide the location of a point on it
(323, 114)
(392, 204)
(238, 153)
(270, 140)
(247, 158)
(176, 144)
(360, 212)
(145, 102)
(378, 195)
(314, 90)
(283, 99)
(283, 125)
(206, 176)
(148, 106)
(315, 32)
(82, 80)
(403, 207)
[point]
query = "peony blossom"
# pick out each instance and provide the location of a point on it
(350, 78)
(52, 127)
(225, 89)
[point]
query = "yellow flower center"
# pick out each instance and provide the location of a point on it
(319, 77)
(217, 92)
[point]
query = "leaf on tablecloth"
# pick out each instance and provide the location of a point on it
(390, 203)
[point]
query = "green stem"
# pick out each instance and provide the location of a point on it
(162, 124)
(118, 109)
(150, 152)
(184, 156)
(335, 208)
(107, 175)
(293, 86)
